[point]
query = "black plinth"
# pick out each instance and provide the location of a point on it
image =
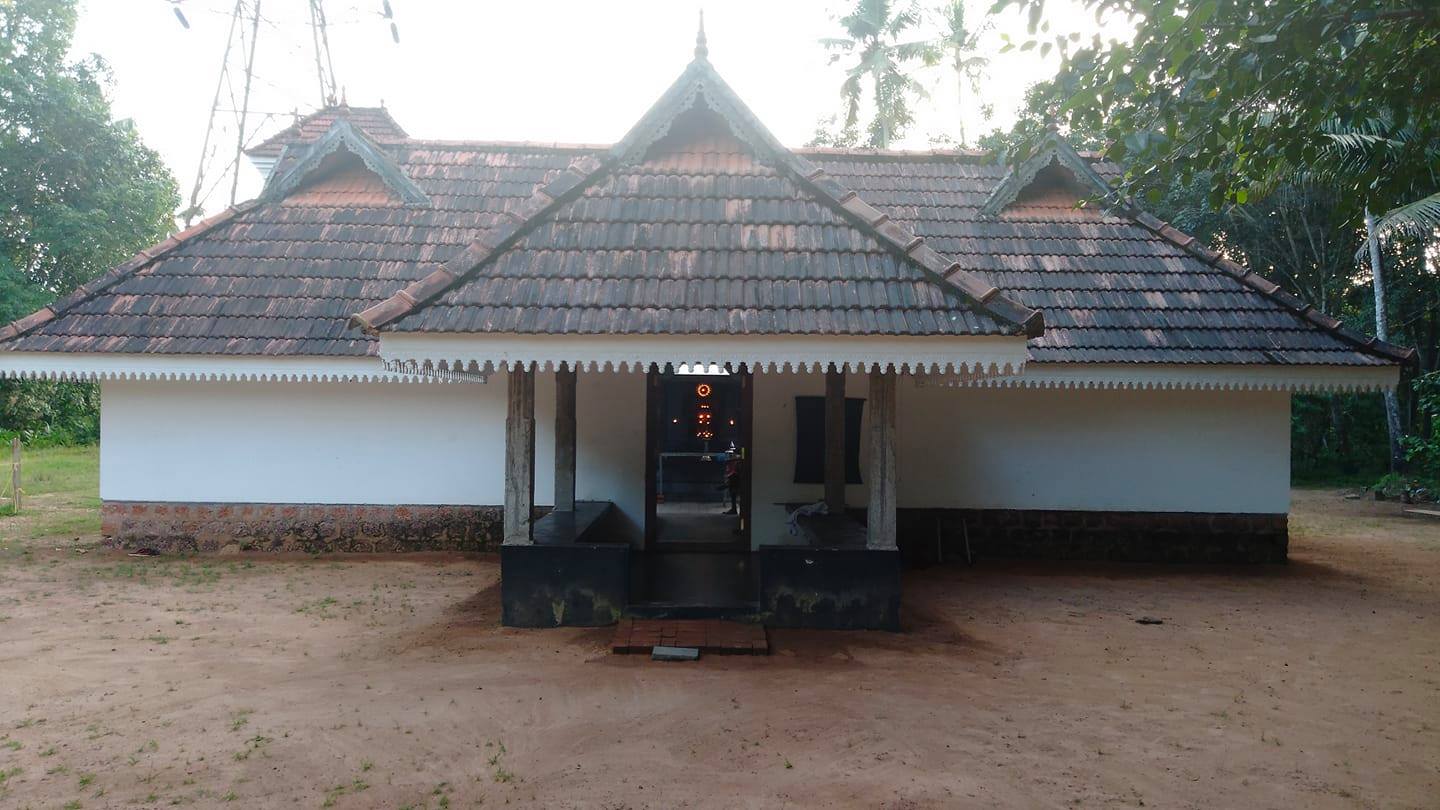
(829, 588)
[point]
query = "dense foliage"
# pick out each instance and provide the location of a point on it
(79, 193)
(1241, 88)
(1270, 129)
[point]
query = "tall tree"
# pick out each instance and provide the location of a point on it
(877, 56)
(959, 46)
(1380, 148)
(79, 193)
(1251, 93)
(1239, 87)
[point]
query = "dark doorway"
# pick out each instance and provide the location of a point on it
(698, 460)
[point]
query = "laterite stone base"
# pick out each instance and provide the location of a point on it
(712, 636)
(310, 528)
(928, 535)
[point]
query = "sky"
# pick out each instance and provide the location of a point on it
(565, 71)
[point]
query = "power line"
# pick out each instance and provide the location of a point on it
(193, 210)
(240, 13)
(245, 102)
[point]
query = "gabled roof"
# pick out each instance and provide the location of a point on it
(280, 277)
(700, 222)
(325, 153)
(375, 122)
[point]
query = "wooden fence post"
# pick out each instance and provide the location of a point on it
(15, 473)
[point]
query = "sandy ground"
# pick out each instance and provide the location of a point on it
(388, 683)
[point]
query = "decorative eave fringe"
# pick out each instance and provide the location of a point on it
(223, 376)
(474, 369)
(1161, 383)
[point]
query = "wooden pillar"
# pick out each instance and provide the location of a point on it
(520, 457)
(835, 441)
(565, 440)
(880, 532)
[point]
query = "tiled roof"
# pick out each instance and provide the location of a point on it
(375, 122)
(699, 239)
(1115, 287)
(700, 222)
(281, 277)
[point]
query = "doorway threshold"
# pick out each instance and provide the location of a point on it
(737, 611)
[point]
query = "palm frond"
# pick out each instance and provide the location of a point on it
(1419, 219)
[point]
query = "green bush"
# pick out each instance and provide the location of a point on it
(1422, 451)
(49, 414)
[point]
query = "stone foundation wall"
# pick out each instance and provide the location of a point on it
(925, 535)
(1075, 535)
(311, 528)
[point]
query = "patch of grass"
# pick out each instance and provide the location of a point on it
(256, 743)
(499, 773)
(180, 572)
(240, 719)
(319, 608)
(61, 487)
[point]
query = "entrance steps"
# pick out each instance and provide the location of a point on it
(712, 636)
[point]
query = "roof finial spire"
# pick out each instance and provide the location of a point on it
(701, 50)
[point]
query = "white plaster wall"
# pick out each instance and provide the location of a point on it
(1120, 450)
(1182, 451)
(359, 443)
(239, 442)
(609, 443)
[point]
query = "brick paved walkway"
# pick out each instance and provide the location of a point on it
(710, 635)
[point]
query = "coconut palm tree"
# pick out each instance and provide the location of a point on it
(878, 57)
(958, 43)
(1397, 152)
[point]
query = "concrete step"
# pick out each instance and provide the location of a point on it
(675, 610)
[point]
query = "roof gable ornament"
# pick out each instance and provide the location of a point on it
(702, 50)
(343, 135)
(1052, 149)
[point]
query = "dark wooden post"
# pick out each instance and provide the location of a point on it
(520, 457)
(880, 532)
(835, 441)
(565, 440)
